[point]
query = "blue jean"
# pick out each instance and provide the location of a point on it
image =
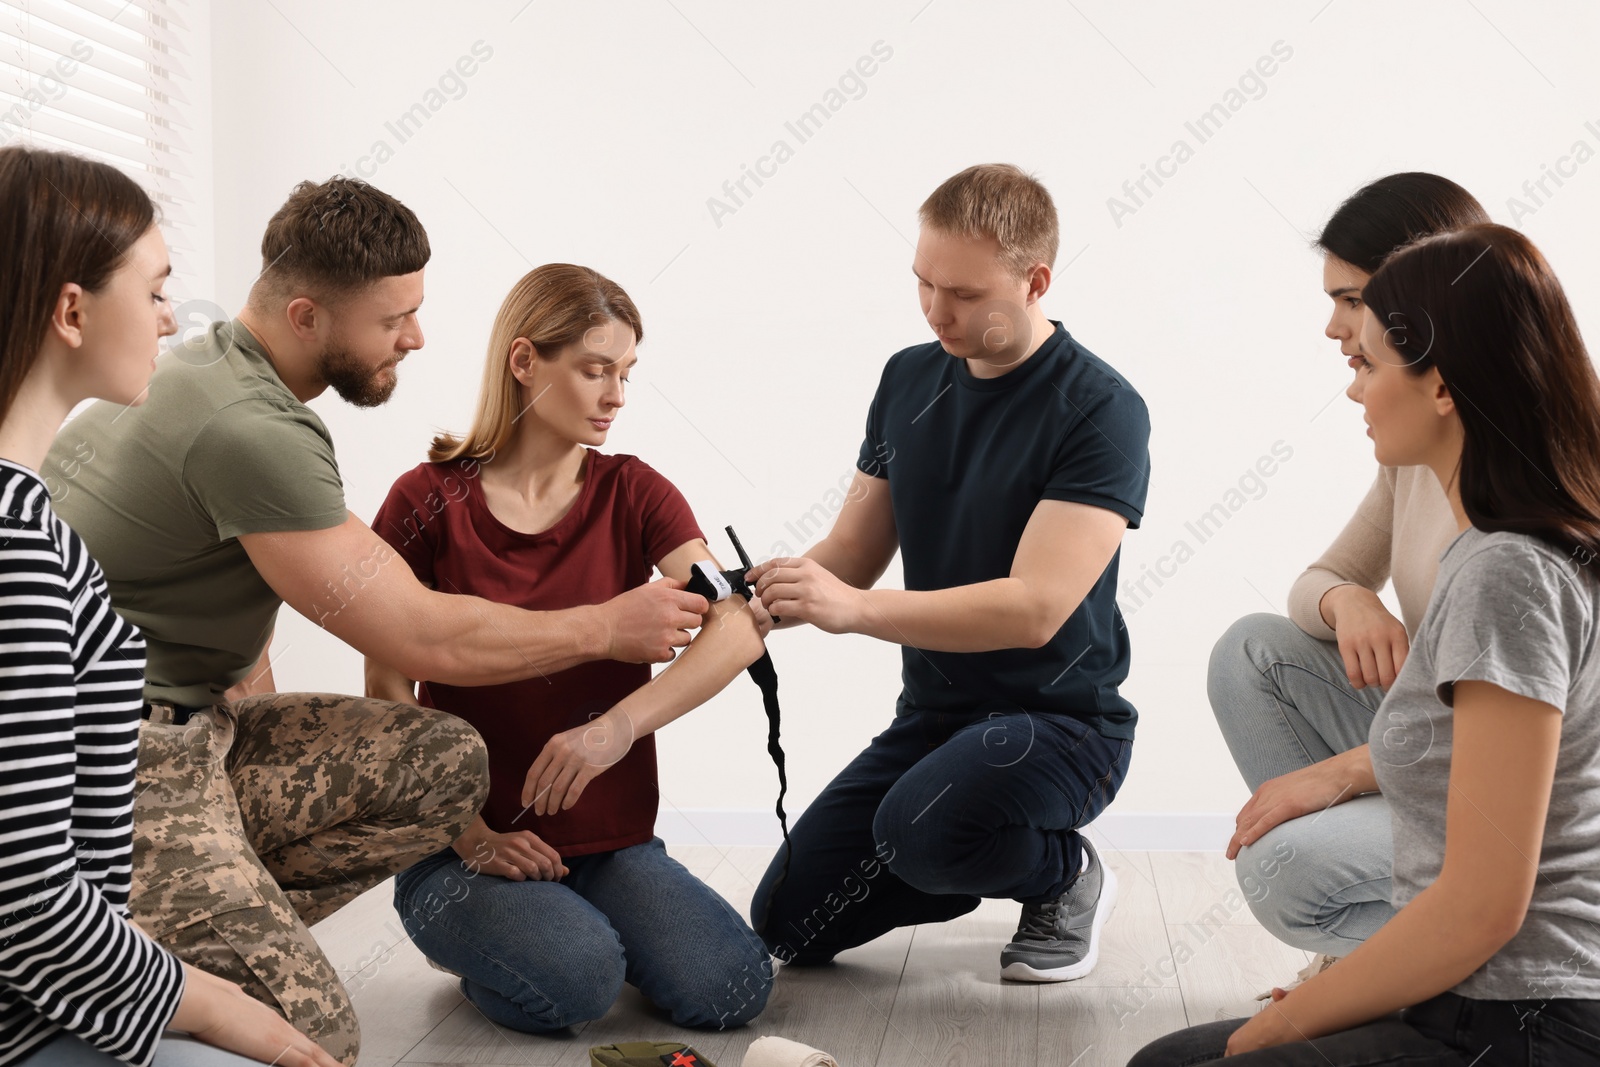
(175, 1050)
(940, 811)
(1446, 1031)
(538, 956)
(1283, 702)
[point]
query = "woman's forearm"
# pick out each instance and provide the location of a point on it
(1431, 945)
(1339, 595)
(1502, 767)
(1354, 771)
(727, 643)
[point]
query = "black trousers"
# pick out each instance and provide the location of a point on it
(940, 811)
(1447, 1031)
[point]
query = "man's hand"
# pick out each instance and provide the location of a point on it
(1372, 641)
(646, 623)
(519, 856)
(574, 758)
(763, 617)
(803, 589)
(352, 583)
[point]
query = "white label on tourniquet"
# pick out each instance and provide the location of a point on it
(714, 576)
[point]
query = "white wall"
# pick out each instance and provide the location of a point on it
(596, 134)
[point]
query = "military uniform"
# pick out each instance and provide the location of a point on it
(256, 817)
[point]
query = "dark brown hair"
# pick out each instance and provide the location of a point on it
(998, 200)
(1384, 214)
(336, 238)
(551, 307)
(63, 219)
(1483, 306)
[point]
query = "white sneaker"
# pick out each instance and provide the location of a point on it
(1318, 964)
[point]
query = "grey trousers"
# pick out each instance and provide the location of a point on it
(1283, 702)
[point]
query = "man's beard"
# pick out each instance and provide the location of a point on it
(353, 381)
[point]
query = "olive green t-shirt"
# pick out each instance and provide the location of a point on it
(162, 491)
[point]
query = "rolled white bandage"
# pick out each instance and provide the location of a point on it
(781, 1052)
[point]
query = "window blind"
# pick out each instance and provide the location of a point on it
(106, 79)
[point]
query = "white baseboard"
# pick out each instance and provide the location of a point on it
(1131, 831)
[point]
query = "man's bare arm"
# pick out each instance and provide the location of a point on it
(349, 580)
(729, 641)
(863, 540)
(1063, 551)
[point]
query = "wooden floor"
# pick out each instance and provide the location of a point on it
(1180, 944)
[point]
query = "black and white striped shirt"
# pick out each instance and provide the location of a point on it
(71, 681)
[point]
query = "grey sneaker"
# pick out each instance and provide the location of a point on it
(1060, 940)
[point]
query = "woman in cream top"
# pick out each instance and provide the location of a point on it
(1295, 697)
(1396, 534)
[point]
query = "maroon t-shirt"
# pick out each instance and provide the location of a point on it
(626, 518)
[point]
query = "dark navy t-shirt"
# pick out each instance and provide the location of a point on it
(968, 460)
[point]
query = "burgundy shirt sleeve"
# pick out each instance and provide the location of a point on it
(409, 521)
(665, 520)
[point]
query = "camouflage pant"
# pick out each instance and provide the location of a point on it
(258, 817)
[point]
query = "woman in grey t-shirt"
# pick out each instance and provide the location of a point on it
(1294, 696)
(1486, 746)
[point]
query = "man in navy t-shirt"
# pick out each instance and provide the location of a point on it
(1005, 477)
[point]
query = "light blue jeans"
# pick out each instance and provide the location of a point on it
(175, 1050)
(541, 956)
(1283, 702)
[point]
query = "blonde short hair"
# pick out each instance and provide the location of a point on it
(1000, 201)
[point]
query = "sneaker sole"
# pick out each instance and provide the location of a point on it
(1021, 972)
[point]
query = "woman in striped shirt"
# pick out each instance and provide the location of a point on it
(81, 311)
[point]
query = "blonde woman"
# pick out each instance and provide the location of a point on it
(560, 891)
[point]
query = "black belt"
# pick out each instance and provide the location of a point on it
(715, 585)
(181, 713)
(765, 675)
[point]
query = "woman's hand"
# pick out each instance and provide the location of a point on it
(803, 589)
(572, 759)
(1289, 796)
(519, 856)
(1372, 641)
(1267, 1028)
(217, 1012)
